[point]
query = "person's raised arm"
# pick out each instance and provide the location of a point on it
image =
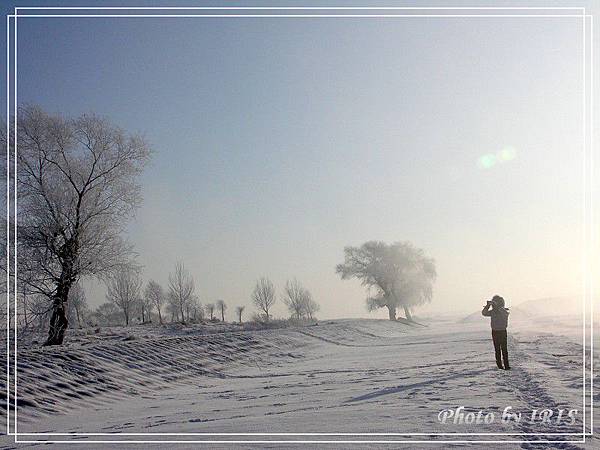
(486, 310)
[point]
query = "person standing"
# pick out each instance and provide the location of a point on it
(499, 322)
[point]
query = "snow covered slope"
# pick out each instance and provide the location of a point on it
(343, 376)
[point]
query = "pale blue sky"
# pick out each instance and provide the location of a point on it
(280, 141)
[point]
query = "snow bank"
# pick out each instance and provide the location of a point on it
(117, 363)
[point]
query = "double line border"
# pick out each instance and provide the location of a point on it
(589, 240)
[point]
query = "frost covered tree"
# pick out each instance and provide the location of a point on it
(78, 302)
(172, 309)
(145, 306)
(195, 312)
(210, 310)
(181, 288)
(191, 308)
(39, 310)
(123, 290)
(222, 306)
(400, 274)
(29, 305)
(200, 311)
(77, 185)
(310, 306)
(239, 311)
(298, 300)
(107, 314)
(155, 294)
(263, 296)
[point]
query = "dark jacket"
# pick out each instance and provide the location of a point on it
(499, 316)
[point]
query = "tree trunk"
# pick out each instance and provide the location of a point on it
(78, 317)
(159, 317)
(222, 315)
(392, 312)
(58, 321)
(407, 313)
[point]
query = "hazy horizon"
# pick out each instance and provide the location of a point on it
(279, 142)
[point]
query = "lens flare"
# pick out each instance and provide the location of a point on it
(487, 161)
(507, 154)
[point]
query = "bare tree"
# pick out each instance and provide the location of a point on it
(210, 309)
(200, 311)
(263, 296)
(309, 306)
(77, 182)
(78, 302)
(145, 308)
(123, 289)
(173, 309)
(195, 310)
(156, 296)
(222, 306)
(239, 311)
(181, 288)
(400, 273)
(192, 307)
(295, 297)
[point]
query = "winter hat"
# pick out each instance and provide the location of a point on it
(498, 301)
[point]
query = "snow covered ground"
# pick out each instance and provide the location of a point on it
(342, 376)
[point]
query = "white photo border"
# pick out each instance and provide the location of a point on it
(587, 184)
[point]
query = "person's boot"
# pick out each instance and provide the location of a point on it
(499, 364)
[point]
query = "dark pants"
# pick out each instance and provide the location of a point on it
(500, 346)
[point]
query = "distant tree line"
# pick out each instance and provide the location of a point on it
(130, 301)
(297, 299)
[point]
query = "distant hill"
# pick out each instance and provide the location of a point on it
(552, 306)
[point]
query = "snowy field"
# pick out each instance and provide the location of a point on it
(342, 376)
